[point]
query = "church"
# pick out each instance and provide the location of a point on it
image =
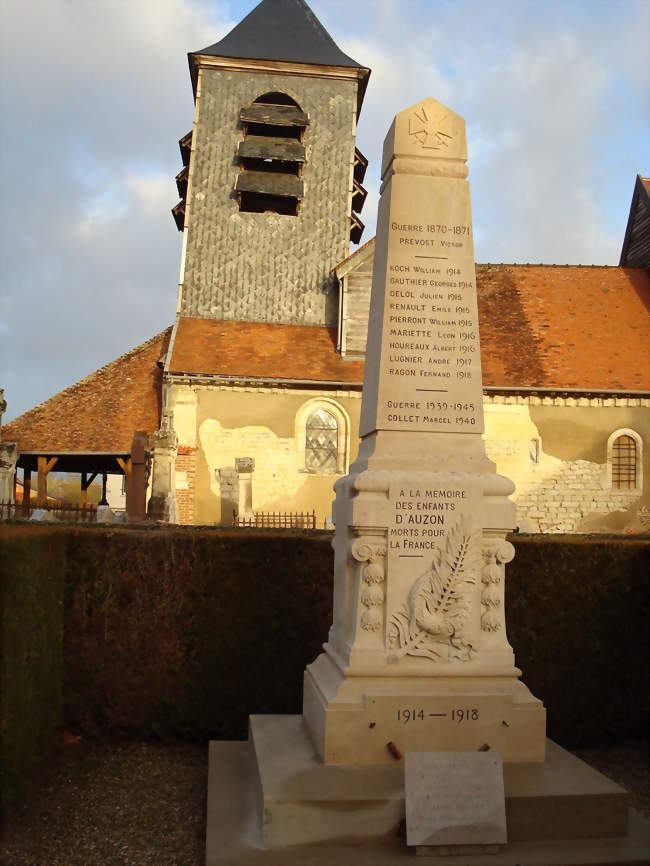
(248, 404)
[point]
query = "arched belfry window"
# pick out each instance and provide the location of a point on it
(271, 155)
(624, 460)
(322, 437)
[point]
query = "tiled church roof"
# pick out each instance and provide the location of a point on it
(541, 326)
(101, 412)
(260, 350)
(574, 327)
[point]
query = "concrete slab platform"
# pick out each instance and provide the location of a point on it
(302, 801)
(233, 834)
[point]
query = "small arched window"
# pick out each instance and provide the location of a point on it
(321, 442)
(624, 460)
(322, 437)
(624, 463)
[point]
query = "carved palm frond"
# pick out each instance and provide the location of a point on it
(439, 601)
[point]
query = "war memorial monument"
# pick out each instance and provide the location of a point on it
(417, 734)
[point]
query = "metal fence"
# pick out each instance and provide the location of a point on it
(276, 520)
(66, 512)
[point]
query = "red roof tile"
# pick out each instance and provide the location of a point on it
(542, 326)
(574, 327)
(101, 412)
(259, 350)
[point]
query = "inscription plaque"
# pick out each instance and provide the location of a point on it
(454, 798)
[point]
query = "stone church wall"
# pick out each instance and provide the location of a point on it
(267, 267)
(218, 425)
(554, 450)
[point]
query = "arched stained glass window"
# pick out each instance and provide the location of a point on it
(624, 463)
(321, 442)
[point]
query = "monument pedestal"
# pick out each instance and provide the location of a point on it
(352, 719)
(272, 802)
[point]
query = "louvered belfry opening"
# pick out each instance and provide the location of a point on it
(271, 156)
(624, 463)
(359, 194)
(178, 211)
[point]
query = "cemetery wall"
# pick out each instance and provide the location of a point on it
(32, 569)
(160, 625)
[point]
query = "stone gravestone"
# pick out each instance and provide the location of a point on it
(417, 655)
(8, 461)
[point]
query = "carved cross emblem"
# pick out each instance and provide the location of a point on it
(429, 132)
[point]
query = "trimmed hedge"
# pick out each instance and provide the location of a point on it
(182, 633)
(32, 570)
(577, 617)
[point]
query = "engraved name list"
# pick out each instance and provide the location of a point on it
(431, 364)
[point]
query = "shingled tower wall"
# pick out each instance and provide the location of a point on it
(265, 266)
(267, 199)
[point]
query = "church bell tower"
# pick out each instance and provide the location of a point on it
(271, 178)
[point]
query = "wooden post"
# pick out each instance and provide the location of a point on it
(86, 481)
(125, 466)
(45, 466)
(104, 500)
(41, 498)
(27, 491)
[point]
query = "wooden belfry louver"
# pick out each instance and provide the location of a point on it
(271, 155)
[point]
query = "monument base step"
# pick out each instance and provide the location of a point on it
(271, 802)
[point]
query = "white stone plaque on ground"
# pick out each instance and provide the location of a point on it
(455, 801)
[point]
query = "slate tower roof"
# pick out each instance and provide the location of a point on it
(281, 30)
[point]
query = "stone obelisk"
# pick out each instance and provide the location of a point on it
(417, 655)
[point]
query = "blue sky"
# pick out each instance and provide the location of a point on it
(94, 95)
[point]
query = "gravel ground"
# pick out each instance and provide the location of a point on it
(131, 804)
(135, 804)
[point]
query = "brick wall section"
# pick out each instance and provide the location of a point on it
(266, 267)
(186, 462)
(561, 503)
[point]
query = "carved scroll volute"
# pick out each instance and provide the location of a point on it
(370, 553)
(496, 553)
